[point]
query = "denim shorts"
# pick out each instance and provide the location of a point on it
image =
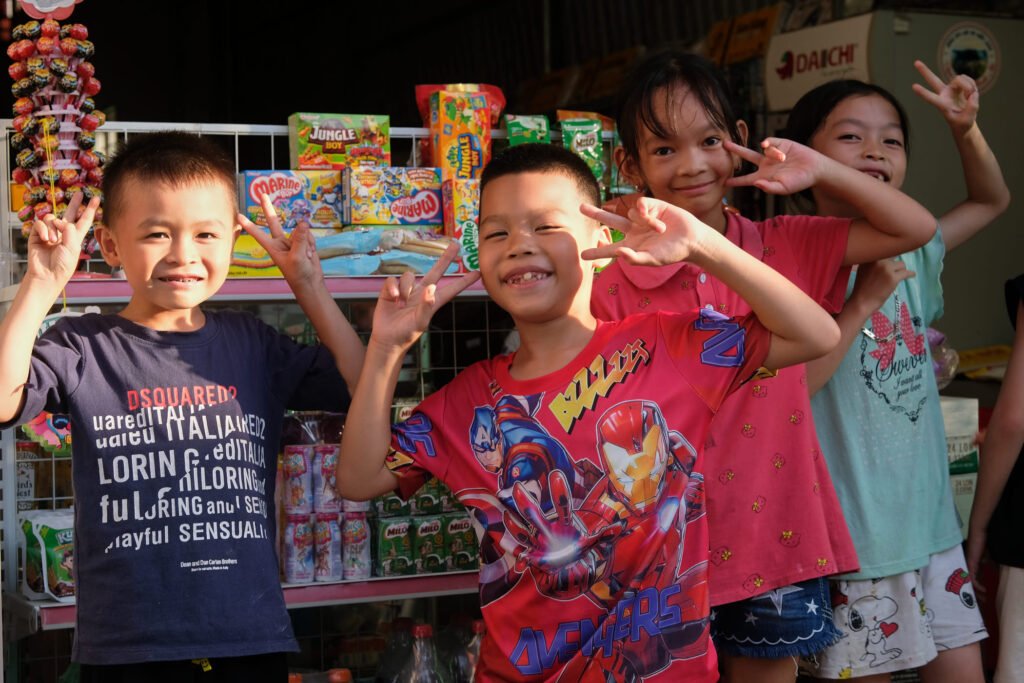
(789, 621)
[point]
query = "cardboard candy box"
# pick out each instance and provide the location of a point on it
(386, 195)
(461, 217)
(249, 259)
(336, 141)
(392, 552)
(319, 199)
(460, 131)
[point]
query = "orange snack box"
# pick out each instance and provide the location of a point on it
(460, 130)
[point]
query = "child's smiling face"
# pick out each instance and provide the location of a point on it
(864, 133)
(175, 244)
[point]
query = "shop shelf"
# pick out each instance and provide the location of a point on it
(26, 617)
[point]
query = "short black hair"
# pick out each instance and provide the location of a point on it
(174, 158)
(658, 73)
(811, 110)
(538, 157)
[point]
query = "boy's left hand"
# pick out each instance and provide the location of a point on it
(958, 101)
(294, 254)
(656, 233)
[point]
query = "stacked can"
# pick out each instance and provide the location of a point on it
(355, 534)
(326, 506)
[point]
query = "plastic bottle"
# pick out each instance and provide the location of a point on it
(398, 650)
(462, 662)
(475, 645)
(423, 665)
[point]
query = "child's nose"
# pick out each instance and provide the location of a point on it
(521, 243)
(182, 251)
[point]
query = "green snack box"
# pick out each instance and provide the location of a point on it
(429, 550)
(392, 505)
(337, 141)
(460, 538)
(523, 129)
(427, 501)
(392, 547)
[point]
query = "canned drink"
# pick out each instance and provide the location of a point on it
(298, 549)
(298, 479)
(325, 494)
(355, 534)
(327, 541)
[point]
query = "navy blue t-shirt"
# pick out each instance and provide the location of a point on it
(174, 447)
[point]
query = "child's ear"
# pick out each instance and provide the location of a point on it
(106, 238)
(744, 133)
(602, 238)
(628, 168)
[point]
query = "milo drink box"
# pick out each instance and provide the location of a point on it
(428, 545)
(427, 501)
(392, 551)
(392, 505)
(460, 539)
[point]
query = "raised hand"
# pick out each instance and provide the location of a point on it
(958, 101)
(784, 168)
(877, 280)
(54, 244)
(406, 305)
(656, 233)
(295, 255)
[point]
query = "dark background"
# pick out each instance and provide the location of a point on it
(256, 61)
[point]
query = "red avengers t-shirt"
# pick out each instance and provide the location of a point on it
(773, 515)
(586, 489)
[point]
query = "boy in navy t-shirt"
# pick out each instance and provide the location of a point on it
(176, 414)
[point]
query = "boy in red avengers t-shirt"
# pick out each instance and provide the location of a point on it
(580, 455)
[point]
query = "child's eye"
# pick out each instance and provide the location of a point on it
(712, 141)
(156, 235)
(544, 228)
(208, 235)
(661, 151)
(849, 136)
(894, 142)
(493, 234)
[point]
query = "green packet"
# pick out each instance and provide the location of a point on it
(48, 554)
(583, 136)
(523, 128)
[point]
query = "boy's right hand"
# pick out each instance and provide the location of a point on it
(55, 244)
(876, 281)
(406, 305)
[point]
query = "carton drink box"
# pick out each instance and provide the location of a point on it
(392, 549)
(429, 551)
(392, 505)
(460, 133)
(336, 141)
(427, 501)
(461, 541)
(386, 195)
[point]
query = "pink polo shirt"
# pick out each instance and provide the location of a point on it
(773, 515)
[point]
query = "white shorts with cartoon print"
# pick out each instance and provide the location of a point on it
(902, 621)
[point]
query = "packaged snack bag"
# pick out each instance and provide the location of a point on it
(49, 553)
(392, 554)
(335, 141)
(460, 132)
(427, 501)
(428, 547)
(460, 537)
(583, 136)
(316, 199)
(386, 195)
(461, 218)
(523, 129)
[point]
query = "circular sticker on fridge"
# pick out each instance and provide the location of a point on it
(971, 49)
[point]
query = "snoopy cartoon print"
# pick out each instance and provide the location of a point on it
(873, 615)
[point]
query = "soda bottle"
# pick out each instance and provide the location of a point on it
(398, 650)
(422, 665)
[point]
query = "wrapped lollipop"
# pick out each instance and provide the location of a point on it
(23, 105)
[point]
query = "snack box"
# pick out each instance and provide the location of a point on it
(391, 505)
(460, 132)
(319, 199)
(461, 199)
(460, 537)
(391, 195)
(336, 141)
(429, 551)
(249, 259)
(392, 547)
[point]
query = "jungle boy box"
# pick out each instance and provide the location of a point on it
(336, 141)
(460, 133)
